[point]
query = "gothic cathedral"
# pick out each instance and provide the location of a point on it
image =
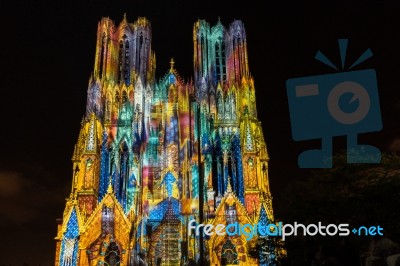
(153, 154)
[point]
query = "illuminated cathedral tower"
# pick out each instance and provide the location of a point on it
(154, 154)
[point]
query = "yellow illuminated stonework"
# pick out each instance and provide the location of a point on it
(154, 153)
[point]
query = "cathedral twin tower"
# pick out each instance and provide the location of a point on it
(153, 154)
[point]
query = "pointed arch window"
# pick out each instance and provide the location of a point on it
(141, 40)
(139, 53)
(116, 98)
(203, 55)
(237, 55)
(121, 187)
(120, 60)
(217, 62)
(220, 105)
(126, 67)
(123, 61)
(103, 55)
(220, 67)
(241, 55)
(124, 97)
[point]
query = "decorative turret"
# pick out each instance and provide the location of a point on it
(236, 52)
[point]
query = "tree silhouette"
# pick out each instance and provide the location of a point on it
(357, 194)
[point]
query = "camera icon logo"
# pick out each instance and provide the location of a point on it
(338, 104)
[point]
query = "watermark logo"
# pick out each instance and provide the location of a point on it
(338, 104)
(281, 230)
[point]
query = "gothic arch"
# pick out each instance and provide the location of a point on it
(220, 60)
(124, 60)
(117, 97)
(124, 96)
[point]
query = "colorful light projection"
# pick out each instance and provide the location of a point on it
(153, 154)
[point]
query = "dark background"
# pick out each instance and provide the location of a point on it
(47, 55)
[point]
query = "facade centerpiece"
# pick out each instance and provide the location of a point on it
(153, 154)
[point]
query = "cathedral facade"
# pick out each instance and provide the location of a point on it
(153, 154)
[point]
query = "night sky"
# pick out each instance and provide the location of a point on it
(47, 55)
